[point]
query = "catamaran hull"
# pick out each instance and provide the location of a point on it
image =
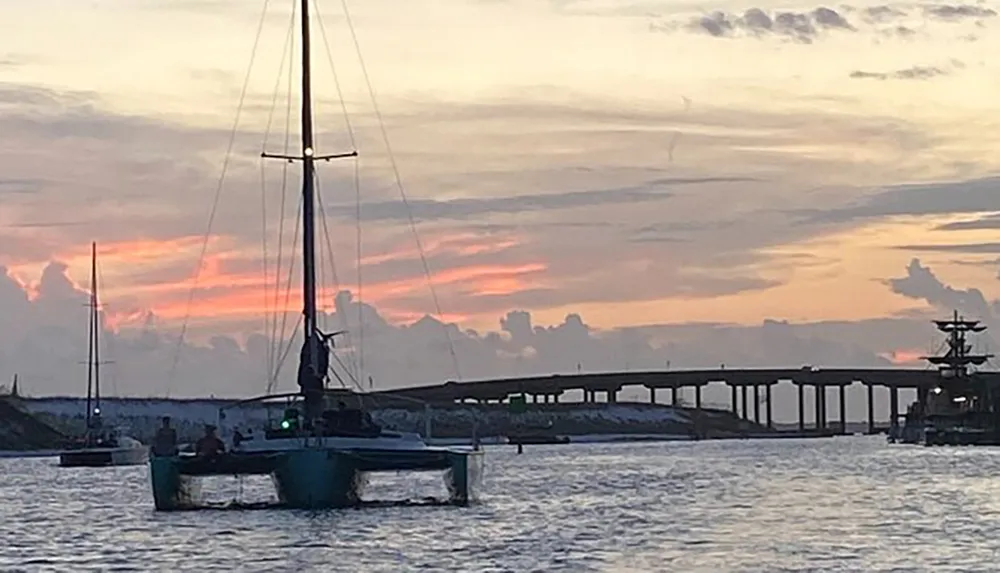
(314, 478)
(103, 457)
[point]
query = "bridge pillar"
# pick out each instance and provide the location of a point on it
(767, 396)
(733, 391)
(743, 400)
(652, 395)
(673, 396)
(843, 409)
(871, 409)
(893, 405)
(697, 397)
(818, 393)
(756, 404)
(822, 408)
(612, 396)
(555, 398)
(802, 407)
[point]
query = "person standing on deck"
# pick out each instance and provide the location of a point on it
(165, 442)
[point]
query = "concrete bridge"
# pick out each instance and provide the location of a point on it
(740, 381)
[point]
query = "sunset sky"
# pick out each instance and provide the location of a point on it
(651, 166)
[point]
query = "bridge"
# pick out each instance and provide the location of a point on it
(741, 382)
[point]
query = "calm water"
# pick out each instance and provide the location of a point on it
(847, 504)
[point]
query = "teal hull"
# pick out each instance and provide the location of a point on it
(313, 478)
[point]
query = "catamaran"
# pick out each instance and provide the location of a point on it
(317, 456)
(100, 444)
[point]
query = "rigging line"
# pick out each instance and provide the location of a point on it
(275, 335)
(215, 200)
(284, 353)
(329, 247)
(402, 190)
(359, 358)
(268, 311)
(326, 233)
(288, 295)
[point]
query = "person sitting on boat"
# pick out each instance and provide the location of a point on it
(165, 442)
(209, 445)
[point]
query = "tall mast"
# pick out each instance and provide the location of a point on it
(308, 202)
(314, 359)
(91, 336)
(96, 327)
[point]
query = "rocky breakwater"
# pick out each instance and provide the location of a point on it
(140, 416)
(21, 431)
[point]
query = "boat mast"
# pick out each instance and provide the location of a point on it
(314, 358)
(95, 319)
(93, 376)
(308, 212)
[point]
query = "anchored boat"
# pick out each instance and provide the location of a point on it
(963, 406)
(99, 445)
(317, 456)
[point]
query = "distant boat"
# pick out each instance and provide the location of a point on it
(99, 445)
(317, 456)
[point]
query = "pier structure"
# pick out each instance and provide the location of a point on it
(750, 389)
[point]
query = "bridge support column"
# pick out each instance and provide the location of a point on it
(756, 404)
(673, 396)
(818, 393)
(822, 407)
(893, 405)
(732, 390)
(843, 409)
(612, 396)
(767, 396)
(871, 409)
(652, 395)
(697, 397)
(802, 407)
(555, 398)
(743, 400)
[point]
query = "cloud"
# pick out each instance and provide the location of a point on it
(800, 26)
(970, 196)
(900, 20)
(954, 12)
(976, 248)
(913, 73)
(988, 222)
(922, 284)
(429, 209)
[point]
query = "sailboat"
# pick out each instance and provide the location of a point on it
(316, 456)
(100, 445)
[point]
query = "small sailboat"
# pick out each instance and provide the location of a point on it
(101, 444)
(317, 456)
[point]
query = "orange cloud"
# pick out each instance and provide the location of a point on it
(464, 244)
(903, 356)
(243, 294)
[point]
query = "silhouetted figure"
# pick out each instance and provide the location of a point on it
(165, 442)
(209, 445)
